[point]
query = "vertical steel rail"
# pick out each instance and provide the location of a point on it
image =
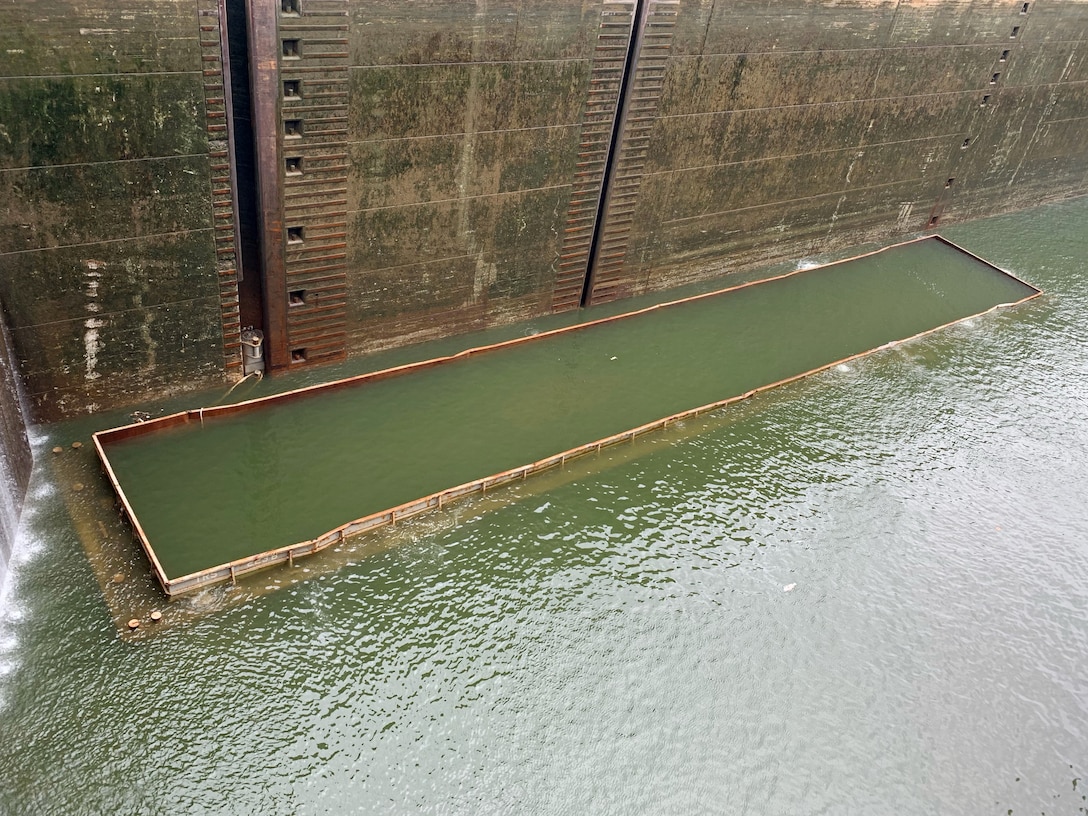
(638, 25)
(264, 51)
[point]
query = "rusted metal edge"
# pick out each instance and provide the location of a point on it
(141, 536)
(288, 553)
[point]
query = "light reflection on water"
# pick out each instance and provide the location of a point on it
(623, 643)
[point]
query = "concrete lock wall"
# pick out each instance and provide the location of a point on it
(431, 167)
(787, 129)
(111, 157)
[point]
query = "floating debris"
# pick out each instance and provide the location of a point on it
(77, 445)
(156, 615)
(134, 624)
(58, 449)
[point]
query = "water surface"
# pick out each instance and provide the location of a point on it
(221, 489)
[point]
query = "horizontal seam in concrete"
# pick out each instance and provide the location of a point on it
(99, 315)
(882, 49)
(460, 198)
(299, 146)
(106, 241)
(560, 126)
(783, 202)
(414, 264)
(1061, 83)
(498, 257)
(468, 63)
(800, 105)
(1061, 121)
(103, 162)
(99, 76)
(851, 149)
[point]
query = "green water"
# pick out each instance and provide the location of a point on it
(206, 495)
(623, 644)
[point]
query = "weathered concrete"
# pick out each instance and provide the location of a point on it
(790, 129)
(108, 265)
(432, 167)
(464, 128)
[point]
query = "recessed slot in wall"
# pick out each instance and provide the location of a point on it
(292, 49)
(1015, 32)
(1024, 8)
(949, 183)
(966, 143)
(292, 165)
(292, 128)
(296, 297)
(292, 89)
(985, 100)
(934, 220)
(995, 78)
(291, 8)
(1004, 56)
(298, 355)
(295, 235)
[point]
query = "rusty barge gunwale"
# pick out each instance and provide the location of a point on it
(287, 554)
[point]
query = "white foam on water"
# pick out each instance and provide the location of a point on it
(12, 611)
(26, 544)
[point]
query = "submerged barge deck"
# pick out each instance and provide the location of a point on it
(216, 492)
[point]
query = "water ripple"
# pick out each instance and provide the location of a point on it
(627, 643)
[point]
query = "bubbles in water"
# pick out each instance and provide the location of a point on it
(12, 612)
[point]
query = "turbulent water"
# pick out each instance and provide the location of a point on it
(863, 593)
(15, 454)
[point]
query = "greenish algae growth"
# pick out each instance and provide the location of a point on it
(209, 494)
